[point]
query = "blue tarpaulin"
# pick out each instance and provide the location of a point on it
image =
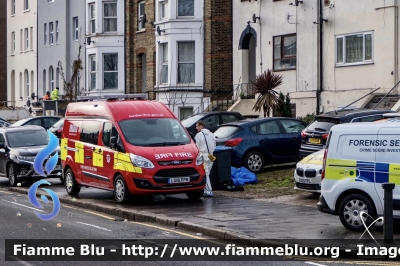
(222, 148)
(242, 175)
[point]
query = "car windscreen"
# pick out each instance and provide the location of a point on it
(27, 138)
(226, 131)
(154, 132)
(59, 123)
(20, 122)
(188, 122)
(323, 124)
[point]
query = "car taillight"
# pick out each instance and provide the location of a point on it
(325, 136)
(324, 164)
(233, 142)
(303, 134)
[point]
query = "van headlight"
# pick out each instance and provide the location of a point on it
(140, 161)
(199, 159)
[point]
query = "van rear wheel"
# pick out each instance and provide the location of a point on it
(70, 183)
(353, 208)
(121, 191)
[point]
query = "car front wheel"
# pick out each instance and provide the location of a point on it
(254, 161)
(12, 177)
(353, 208)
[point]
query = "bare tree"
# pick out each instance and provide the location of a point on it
(71, 87)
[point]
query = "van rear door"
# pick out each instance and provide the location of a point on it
(387, 164)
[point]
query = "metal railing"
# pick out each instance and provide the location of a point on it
(225, 95)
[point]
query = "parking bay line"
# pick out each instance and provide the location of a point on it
(19, 204)
(95, 226)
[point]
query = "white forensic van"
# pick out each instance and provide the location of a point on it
(358, 159)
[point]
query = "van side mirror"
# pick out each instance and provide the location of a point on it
(115, 145)
(113, 141)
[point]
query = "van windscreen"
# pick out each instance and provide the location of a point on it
(154, 132)
(323, 124)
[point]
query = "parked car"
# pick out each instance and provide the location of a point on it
(43, 121)
(213, 120)
(4, 123)
(261, 141)
(21, 145)
(390, 117)
(315, 135)
(307, 174)
(57, 128)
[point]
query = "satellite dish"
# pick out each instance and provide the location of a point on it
(143, 21)
(33, 96)
(159, 30)
(89, 40)
(254, 18)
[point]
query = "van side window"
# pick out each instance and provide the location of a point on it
(90, 132)
(109, 131)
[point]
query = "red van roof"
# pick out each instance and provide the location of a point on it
(119, 110)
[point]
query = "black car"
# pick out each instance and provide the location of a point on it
(57, 128)
(213, 120)
(18, 149)
(43, 121)
(314, 137)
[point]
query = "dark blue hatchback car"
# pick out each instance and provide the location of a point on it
(262, 141)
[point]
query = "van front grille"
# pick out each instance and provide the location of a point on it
(176, 172)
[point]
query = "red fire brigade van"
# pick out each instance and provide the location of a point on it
(129, 147)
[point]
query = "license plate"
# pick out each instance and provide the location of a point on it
(315, 141)
(304, 180)
(178, 180)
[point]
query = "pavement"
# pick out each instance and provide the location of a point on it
(218, 217)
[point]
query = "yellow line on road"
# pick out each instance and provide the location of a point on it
(101, 215)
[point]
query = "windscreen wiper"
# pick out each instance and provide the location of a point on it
(163, 144)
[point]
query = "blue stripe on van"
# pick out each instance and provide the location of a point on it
(365, 164)
(367, 175)
(382, 167)
(381, 173)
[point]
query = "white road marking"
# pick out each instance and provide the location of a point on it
(20, 261)
(95, 226)
(19, 204)
(312, 263)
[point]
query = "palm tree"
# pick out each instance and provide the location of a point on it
(265, 84)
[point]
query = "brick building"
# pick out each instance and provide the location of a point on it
(140, 46)
(3, 50)
(218, 32)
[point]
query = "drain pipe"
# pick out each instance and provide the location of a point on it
(320, 58)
